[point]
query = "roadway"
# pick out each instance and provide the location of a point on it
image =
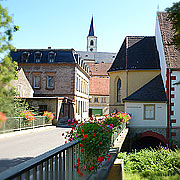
(18, 147)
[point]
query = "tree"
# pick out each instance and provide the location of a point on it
(174, 17)
(7, 67)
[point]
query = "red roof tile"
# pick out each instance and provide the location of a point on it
(98, 69)
(171, 53)
(99, 86)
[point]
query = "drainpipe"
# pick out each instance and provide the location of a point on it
(126, 67)
(127, 82)
(170, 138)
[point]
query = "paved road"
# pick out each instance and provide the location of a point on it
(19, 147)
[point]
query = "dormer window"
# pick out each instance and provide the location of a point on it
(51, 57)
(37, 57)
(25, 56)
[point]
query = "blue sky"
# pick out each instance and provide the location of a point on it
(65, 23)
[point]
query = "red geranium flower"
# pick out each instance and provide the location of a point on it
(91, 168)
(82, 130)
(94, 134)
(85, 136)
(82, 150)
(80, 145)
(69, 124)
(100, 143)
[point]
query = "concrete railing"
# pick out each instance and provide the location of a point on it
(18, 124)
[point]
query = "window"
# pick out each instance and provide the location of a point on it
(103, 99)
(25, 56)
(119, 90)
(76, 106)
(149, 112)
(96, 99)
(77, 82)
(91, 43)
(50, 82)
(90, 100)
(51, 57)
(37, 57)
(37, 82)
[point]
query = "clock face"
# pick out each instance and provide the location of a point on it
(91, 49)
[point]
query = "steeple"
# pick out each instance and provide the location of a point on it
(91, 39)
(91, 30)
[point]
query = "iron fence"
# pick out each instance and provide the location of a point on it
(18, 124)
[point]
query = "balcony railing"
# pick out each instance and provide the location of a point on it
(57, 164)
(17, 124)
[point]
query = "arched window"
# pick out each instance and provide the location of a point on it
(92, 43)
(119, 90)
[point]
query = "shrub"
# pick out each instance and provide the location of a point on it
(151, 163)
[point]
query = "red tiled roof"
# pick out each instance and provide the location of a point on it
(98, 69)
(99, 86)
(171, 53)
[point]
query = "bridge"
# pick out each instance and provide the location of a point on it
(59, 163)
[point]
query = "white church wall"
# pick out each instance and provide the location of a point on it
(160, 49)
(137, 111)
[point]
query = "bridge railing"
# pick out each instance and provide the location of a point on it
(58, 163)
(17, 123)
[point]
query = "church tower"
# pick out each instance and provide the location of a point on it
(91, 39)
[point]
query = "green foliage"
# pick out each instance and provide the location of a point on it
(152, 163)
(174, 17)
(7, 67)
(19, 106)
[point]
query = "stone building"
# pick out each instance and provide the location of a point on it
(56, 73)
(22, 85)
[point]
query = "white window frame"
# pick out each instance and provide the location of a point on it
(148, 115)
(50, 87)
(34, 82)
(35, 58)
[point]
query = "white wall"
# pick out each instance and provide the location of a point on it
(137, 111)
(176, 99)
(160, 49)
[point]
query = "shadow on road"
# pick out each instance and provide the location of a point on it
(7, 163)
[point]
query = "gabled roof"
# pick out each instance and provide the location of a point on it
(98, 69)
(171, 53)
(99, 86)
(137, 52)
(91, 29)
(61, 55)
(152, 91)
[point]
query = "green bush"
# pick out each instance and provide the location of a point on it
(152, 163)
